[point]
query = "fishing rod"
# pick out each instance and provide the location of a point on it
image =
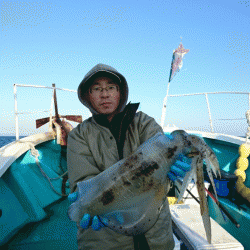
(222, 209)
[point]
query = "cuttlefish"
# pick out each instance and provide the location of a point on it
(128, 196)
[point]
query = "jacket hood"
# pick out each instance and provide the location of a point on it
(102, 70)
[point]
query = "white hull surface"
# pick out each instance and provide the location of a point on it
(12, 151)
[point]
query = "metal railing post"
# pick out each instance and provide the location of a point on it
(248, 120)
(16, 114)
(51, 110)
(164, 108)
(209, 113)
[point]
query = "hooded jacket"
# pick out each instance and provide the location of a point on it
(103, 70)
(96, 144)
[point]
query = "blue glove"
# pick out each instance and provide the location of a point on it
(179, 168)
(86, 220)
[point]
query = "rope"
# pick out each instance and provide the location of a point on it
(242, 164)
(34, 152)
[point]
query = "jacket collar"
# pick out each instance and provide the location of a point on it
(119, 124)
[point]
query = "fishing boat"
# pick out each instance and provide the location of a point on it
(34, 186)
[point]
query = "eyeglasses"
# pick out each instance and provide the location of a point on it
(110, 89)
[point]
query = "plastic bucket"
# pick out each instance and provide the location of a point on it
(221, 187)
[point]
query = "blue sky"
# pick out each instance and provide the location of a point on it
(58, 42)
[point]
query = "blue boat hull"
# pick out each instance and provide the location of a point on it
(33, 216)
(242, 216)
(227, 154)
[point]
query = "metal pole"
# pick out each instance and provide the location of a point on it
(248, 120)
(16, 114)
(164, 108)
(210, 117)
(36, 86)
(51, 109)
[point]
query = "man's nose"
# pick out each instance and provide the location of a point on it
(105, 93)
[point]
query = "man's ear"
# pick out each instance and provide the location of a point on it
(86, 96)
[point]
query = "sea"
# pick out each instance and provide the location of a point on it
(8, 139)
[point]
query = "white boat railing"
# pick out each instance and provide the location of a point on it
(50, 110)
(208, 106)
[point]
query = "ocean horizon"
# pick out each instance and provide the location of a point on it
(6, 139)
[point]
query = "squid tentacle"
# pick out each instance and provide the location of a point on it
(187, 179)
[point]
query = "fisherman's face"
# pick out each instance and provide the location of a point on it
(104, 96)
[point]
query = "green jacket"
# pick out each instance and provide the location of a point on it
(96, 145)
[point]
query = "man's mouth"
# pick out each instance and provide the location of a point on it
(106, 103)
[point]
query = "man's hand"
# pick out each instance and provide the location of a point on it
(179, 168)
(86, 220)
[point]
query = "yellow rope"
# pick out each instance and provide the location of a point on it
(242, 165)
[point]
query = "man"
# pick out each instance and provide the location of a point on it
(113, 132)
